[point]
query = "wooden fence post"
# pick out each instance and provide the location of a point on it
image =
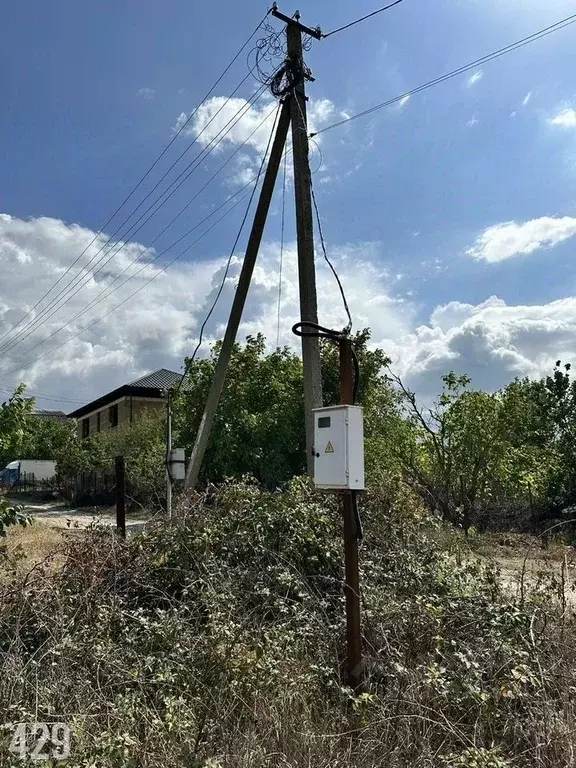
(121, 496)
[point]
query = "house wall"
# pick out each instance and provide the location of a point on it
(130, 409)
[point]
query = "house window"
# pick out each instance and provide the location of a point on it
(85, 427)
(113, 415)
(98, 422)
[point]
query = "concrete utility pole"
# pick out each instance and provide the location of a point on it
(304, 227)
(203, 435)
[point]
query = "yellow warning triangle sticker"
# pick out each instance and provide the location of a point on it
(329, 448)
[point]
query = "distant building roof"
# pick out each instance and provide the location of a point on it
(44, 413)
(161, 379)
(152, 385)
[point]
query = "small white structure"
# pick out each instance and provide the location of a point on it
(339, 447)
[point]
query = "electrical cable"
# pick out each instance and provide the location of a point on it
(332, 267)
(60, 300)
(320, 332)
(454, 73)
(105, 292)
(229, 262)
(143, 177)
(134, 293)
(322, 242)
(42, 396)
(281, 252)
(100, 298)
(368, 16)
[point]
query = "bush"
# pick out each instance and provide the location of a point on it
(219, 641)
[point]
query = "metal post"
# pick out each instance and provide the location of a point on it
(352, 577)
(168, 456)
(203, 435)
(121, 496)
(305, 240)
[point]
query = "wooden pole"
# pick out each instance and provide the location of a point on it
(121, 496)
(354, 665)
(203, 435)
(305, 240)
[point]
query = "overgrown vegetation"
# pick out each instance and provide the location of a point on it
(219, 642)
(496, 461)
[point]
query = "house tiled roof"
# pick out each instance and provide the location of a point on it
(161, 379)
(152, 385)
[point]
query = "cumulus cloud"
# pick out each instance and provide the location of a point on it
(526, 99)
(511, 239)
(491, 342)
(159, 326)
(566, 118)
(223, 123)
(475, 78)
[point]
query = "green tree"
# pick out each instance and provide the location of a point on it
(143, 446)
(14, 416)
(259, 424)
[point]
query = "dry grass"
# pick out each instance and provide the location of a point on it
(36, 542)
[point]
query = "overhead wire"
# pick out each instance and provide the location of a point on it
(144, 176)
(454, 73)
(78, 282)
(323, 242)
(363, 18)
(163, 269)
(109, 290)
(190, 360)
(281, 250)
(106, 291)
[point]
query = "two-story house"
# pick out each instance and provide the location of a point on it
(126, 403)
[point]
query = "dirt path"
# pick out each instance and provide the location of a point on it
(60, 515)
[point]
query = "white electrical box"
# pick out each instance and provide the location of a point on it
(177, 464)
(339, 447)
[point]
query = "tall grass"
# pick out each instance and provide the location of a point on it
(220, 642)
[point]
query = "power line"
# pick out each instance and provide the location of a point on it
(454, 73)
(143, 177)
(78, 282)
(42, 396)
(106, 291)
(232, 250)
(323, 244)
(368, 16)
(134, 293)
(332, 267)
(281, 251)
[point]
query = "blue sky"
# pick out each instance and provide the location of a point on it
(416, 199)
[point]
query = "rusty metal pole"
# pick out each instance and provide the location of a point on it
(354, 665)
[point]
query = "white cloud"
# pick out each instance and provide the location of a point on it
(492, 342)
(473, 121)
(566, 118)
(527, 98)
(180, 122)
(146, 93)
(475, 78)
(159, 326)
(229, 123)
(403, 101)
(244, 122)
(511, 239)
